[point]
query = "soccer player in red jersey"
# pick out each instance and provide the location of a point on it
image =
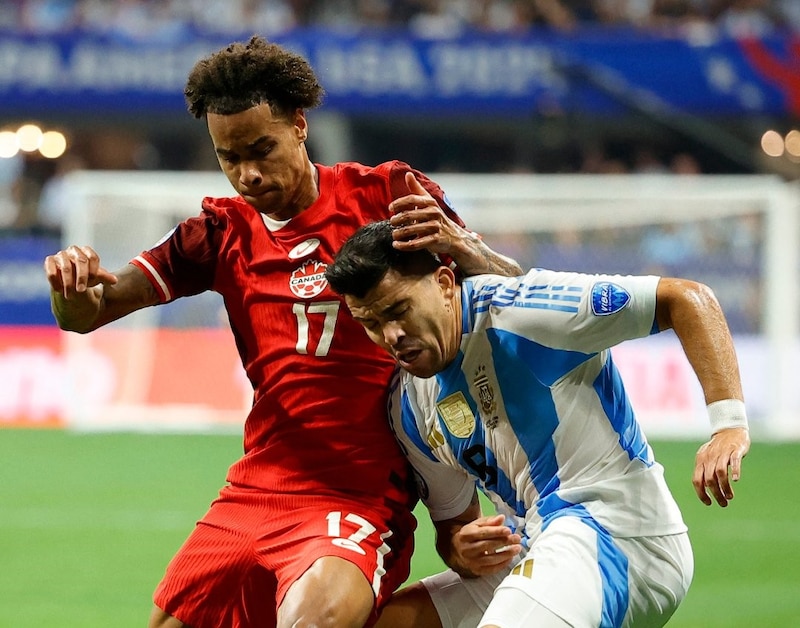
(314, 525)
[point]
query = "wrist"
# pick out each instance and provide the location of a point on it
(727, 413)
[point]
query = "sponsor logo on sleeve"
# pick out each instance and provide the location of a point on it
(608, 298)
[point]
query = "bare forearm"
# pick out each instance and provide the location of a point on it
(446, 532)
(699, 323)
(474, 257)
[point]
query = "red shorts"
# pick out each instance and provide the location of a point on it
(251, 546)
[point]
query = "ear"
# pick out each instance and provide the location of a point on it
(446, 280)
(300, 125)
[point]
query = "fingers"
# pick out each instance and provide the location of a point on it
(410, 209)
(423, 227)
(712, 481)
(718, 463)
(414, 186)
(699, 483)
(74, 269)
(419, 198)
(736, 466)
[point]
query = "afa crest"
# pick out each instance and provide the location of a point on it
(457, 415)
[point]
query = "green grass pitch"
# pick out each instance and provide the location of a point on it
(89, 521)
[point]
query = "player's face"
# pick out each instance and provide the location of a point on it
(264, 158)
(416, 319)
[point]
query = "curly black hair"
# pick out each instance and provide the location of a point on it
(241, 76)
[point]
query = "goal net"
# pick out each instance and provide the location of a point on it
(175, 367)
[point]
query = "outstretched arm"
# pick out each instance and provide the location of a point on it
(693, 312)
(85, 296)
(419, 222)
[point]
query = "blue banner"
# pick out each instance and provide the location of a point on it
(24, 291)
(595, 72)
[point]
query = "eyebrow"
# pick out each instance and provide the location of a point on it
(387, 311)
(392, 307)
(250, 146)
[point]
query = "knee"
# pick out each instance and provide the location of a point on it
(333, 593)
(324, 613)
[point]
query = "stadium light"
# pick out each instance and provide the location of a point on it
(53, 144)
(9, 146)
(792, 143)
(772, 143)
(29, 137)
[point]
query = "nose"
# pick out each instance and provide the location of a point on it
(250, 175)
(392, 333)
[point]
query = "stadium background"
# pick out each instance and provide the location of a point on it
(90, 512)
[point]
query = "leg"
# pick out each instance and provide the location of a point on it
(660, 570)
(338, 561)
(444, 600)
(410, 606)
(512, 608)
(203, 583)
(333, 592)
(574, 570)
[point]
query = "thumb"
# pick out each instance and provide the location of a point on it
(105, 277)
(414, 186)
(494, 520)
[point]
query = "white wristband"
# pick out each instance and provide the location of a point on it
(727, 413)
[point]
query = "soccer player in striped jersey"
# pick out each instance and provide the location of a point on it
(509, 384)
(314, 526)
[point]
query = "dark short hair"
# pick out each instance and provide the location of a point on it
(241, 76)
(368, 255)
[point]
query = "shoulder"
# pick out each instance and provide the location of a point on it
(384, 171)
(223, 207)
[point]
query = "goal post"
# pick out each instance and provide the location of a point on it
(737, 233)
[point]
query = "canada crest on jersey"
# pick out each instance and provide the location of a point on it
(308, 280)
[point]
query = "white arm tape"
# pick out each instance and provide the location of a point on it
(727, 413)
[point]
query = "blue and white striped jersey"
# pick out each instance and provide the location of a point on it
(533, 409)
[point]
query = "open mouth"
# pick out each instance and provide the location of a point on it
(407, 358)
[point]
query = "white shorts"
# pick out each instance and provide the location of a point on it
(579, 573)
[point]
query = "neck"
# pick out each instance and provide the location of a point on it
(307, 194)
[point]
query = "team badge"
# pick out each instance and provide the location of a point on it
(304, 248)
(608, 298)
(486, 397)
(456, 414)
(309, 280)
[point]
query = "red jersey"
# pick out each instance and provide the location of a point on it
(318, 422)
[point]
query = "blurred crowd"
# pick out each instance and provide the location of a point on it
(435, 18)
(31, 197)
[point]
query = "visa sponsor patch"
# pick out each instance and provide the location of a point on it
(608, 298)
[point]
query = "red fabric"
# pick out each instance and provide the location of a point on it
(252, 545)
(318, 425)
